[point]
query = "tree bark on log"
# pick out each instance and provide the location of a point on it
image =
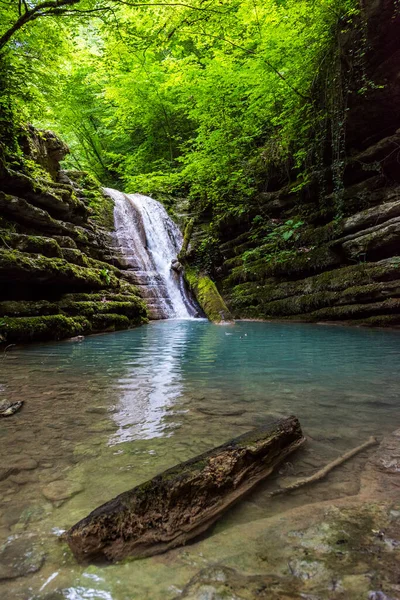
(183, 502)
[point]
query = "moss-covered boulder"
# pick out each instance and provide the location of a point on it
(52, 327)
(208, 296)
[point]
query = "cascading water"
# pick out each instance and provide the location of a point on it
(149, 241)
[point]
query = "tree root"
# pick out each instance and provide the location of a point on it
(325, 470)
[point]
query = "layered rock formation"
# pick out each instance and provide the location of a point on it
(329, 248)
(58, 274)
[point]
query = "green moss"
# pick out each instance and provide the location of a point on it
(101, 206)
(28, 308)
(186, 239)
(109, 322)
(207, 296)
(26, 268)
(76, 257)
(30, 243)
(132, 309)
(54, 327)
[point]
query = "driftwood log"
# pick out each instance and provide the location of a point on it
(184, 501)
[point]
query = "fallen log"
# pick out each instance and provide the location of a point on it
(183, 502)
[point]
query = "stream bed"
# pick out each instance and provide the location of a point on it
(107, 413)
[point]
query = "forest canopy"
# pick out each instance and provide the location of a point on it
(202, 97)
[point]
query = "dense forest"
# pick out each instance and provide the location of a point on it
(201, 99)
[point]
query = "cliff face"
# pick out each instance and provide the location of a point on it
(58, 275)
(330, 249)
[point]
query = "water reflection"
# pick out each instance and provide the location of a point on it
(151, 385)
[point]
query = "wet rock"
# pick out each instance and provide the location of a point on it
(20, 557)
(176, 266)
(11, 515)
(221, 413)
(97, 410)
(76, 338)
(220, 582)
(22, 478)
(55, 595)
(25, 463)
(33, 513)
(5, 472)
(59, 491)
(7, 409)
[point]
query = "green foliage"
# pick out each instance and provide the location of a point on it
(105, 275)
(210, 101)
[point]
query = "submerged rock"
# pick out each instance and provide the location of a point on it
(224, 583)
(7, 409)
(59, 491)
(20, 557)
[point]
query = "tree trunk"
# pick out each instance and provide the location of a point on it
(184, 501)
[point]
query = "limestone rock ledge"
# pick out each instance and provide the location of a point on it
(58, 274)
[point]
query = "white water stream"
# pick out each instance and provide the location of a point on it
(149, 241)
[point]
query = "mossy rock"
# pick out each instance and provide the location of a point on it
(109, 296)
(64, 241)
(75, 256)
(132, 309)
(207, 296)
(290, 264)
(34, 268)
(110, 322)
(100, 205)
(53, 327)
(362, 282)
(60, 202)
(28, 308)
(37, 219)
(30, 243)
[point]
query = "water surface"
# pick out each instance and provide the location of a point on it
(105, 414)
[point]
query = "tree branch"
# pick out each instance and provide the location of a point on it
(60, 7)
(31, 15)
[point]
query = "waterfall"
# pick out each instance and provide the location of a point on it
(149, 241)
